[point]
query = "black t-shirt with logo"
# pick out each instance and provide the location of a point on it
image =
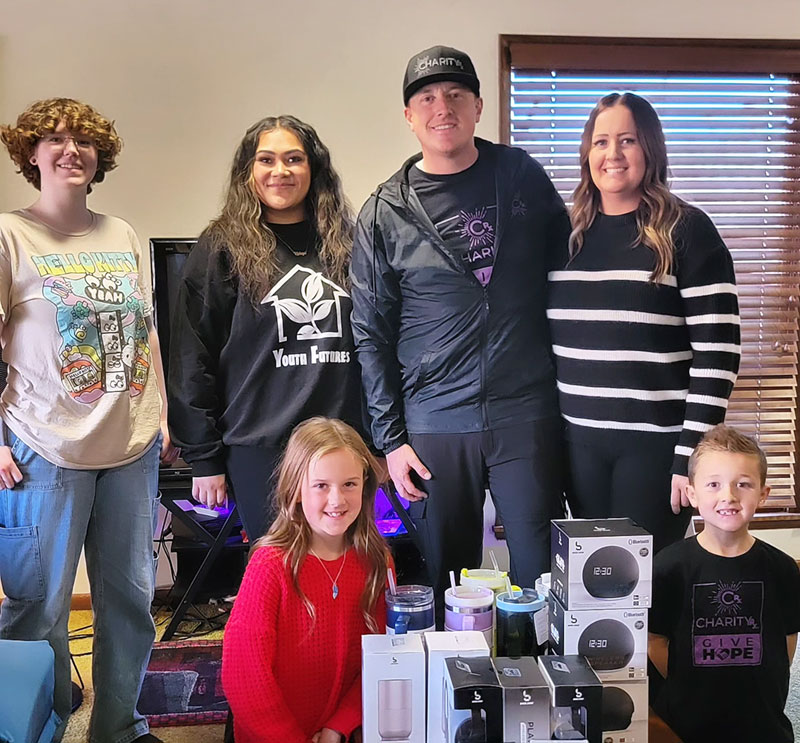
(727, 619)
(463, 208)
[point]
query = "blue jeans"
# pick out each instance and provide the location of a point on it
(44, 522)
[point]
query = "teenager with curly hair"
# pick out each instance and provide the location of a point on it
(82, 422)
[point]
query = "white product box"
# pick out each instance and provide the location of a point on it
(393, 688)
(625, 711)
(614, 641)
(601, 563)
(438, 646)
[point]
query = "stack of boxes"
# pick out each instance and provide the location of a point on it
(444, 686)
(599, 596)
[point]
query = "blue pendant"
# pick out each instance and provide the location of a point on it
(335, 590)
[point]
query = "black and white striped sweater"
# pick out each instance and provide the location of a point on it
(636, 358)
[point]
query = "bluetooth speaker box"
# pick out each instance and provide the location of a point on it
(625, 711)
(614, 641)
(576, 698)
(473, 702)
(393, 687)
(601, 562)
(441, 645)
(526, 700)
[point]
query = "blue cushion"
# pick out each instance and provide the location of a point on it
(26, 692)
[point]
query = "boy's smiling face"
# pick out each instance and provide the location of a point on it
(726, 491)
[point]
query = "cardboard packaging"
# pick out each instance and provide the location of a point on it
(576, 697)
(526, 700)
(625, 711)
(393, 678)
(601, 562)
(614, 641)
(473, 702)
(438, 646)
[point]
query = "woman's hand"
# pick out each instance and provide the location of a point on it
(9, 472)
(211, 491)
(169, 452)
(679, 497)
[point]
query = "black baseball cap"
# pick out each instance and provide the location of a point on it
(439, 64)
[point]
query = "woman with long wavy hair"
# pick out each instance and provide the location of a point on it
(261, 337)
(645, 326)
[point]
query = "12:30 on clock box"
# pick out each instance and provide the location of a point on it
(601, 562)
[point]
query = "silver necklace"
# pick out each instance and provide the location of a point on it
(334, 581)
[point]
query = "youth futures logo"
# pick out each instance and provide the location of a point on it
(307, 306)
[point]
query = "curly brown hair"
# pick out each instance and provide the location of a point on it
(42, 117)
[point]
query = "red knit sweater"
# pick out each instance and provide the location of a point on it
(285, 676)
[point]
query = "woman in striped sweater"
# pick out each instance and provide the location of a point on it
(645, 326)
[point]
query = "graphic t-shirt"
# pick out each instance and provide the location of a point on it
(463, 208)
(80, 391)
(727, 619)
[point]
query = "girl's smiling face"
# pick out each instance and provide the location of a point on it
(331, 497)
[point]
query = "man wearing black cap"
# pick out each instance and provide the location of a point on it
(449, 277)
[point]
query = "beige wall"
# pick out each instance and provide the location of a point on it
(184, 78)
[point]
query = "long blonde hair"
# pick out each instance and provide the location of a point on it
(290, 531)
(241, 230)
(659, 210)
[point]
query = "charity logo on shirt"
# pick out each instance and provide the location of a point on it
(474, 229)
(726, 623)
(100, 318)
(308, 307)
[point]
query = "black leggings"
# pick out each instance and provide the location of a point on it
(250, 476)
(605, 482)
(522, 466)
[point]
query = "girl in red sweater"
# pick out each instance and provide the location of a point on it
(314, 584)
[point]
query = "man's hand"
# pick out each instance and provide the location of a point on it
(400, 463)
(169, 452)
(678, 497)
(211, 491)
(9, 472)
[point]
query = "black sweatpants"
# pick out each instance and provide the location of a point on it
(250, 477)
(606, 481)
(521, 465)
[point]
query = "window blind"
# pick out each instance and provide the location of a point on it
(733, 142)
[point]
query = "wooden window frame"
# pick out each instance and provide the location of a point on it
(653, 55)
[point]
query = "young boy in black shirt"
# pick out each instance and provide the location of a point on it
(726, 607)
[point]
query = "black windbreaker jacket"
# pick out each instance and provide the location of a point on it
(439, 352)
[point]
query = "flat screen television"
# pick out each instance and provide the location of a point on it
(167, 256)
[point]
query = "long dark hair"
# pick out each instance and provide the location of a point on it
(659, 209)
(241, 230)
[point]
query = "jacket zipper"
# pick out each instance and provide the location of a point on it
(484, 360)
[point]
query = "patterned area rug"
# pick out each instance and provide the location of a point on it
(183, 684)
